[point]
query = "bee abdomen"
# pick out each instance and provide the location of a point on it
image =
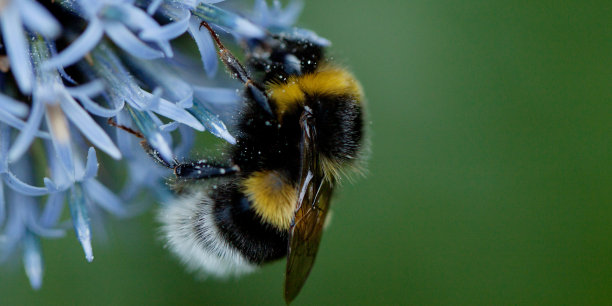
(194, 237)
(239, 224)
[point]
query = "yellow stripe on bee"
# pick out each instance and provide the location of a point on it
(272, 197)
(326, 81)
(286, 95)
(330, 81)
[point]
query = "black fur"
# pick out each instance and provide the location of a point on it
(269, 56)
(239, 225)
(265, 143)
(339, 126)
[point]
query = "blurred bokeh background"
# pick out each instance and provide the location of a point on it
(490, 180)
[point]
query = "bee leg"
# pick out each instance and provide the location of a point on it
(130, 130)
(145, 145)
(156, 156)
(192, 170)
(203, 170)
(239, 72)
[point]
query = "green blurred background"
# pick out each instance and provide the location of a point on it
(490, 180)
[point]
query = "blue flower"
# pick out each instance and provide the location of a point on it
(275, 17)
(280, 20)
(13, 17)
(121, 22)
(123, 67)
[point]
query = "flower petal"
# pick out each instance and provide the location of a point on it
(157, 74)
(90, 89)
(32, 260)
(53, 209)
(120, 84)
(125, 39)
(223, 102)
(136, 20)
(16, 47)
(78, 48)
(80, 220)
(5, 143)
(218, 95)
(26, 189)
(50, 185)
(61, 180)
(153, 6)
(89, 8)
(91, 168)
(98, 110)
(260, 10)
(60, 69)
(158, 142)
(2, 204)
(211, 122)
(172, 111)
(60, 136)
(12, 106)
(23, 141)
(178, 114)
(125, 141)
(168, 31)
(308, 35)
(206, 46)
(40, 230)
(104, 197)
(133, 17)
(18, 123)
(142, 172)
(88, 126)
(38, 19)
(124, 86)
(290, 14)
(147, 126)
(234, 22)
(276, 18)
(14, 229)
(187, 140)
(169, 127)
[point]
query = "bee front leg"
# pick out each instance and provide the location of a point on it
(203, 170)
(191, 170)
(236, 69)
(155, 155)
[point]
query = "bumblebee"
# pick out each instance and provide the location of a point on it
(300, 128)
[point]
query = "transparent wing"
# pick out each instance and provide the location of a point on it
(312, 207)
(304, 240)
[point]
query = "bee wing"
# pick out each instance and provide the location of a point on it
(304, 240)
(312, 207)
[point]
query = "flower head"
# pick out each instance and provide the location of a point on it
(116, 62)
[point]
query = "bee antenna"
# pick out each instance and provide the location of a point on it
(238, 70)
